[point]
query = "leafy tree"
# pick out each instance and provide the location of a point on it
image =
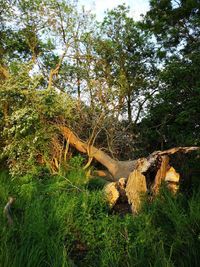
(174, 113)
(175, 24)
(28, 132)
(105, 78)
(127, 62)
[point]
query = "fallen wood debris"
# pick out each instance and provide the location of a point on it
(140, 175)
(7, 210)
(136, 186)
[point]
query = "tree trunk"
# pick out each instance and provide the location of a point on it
(136, 186)
(134, 174)
(129, 108)
(119, 169)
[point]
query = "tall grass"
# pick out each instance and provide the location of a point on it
(64, 221)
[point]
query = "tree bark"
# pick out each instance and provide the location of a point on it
(129, 108)
(138, 176)
(161, 173)
(119, 169)
(136, 186)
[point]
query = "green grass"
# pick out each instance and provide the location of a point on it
(64, 221)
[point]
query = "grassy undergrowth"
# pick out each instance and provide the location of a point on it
(61, 221)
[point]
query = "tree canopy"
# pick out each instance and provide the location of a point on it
(128, 87)
(99, 135)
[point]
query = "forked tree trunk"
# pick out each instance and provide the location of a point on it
(131, 177)
(116, 168)
(119, 169)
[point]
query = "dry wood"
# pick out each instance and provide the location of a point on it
(172, 179)
(116, 190)
(54, 72)
(7, 210)
(161, 173)
(103, 174)
(112, 193)
(136, 186)
(119, 169)
(176, 150)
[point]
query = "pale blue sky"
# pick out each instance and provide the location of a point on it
(100, 6)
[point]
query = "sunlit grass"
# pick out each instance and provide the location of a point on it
(61, 223)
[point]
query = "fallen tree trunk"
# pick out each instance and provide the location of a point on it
(119, 169)
(132, 178)
(136, 186)
(116, 168)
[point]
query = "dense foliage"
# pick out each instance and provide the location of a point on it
(128, 87)
(174, 113)
(131, 87)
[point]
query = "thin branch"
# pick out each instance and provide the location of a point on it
(142, 104)
(54, 72)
